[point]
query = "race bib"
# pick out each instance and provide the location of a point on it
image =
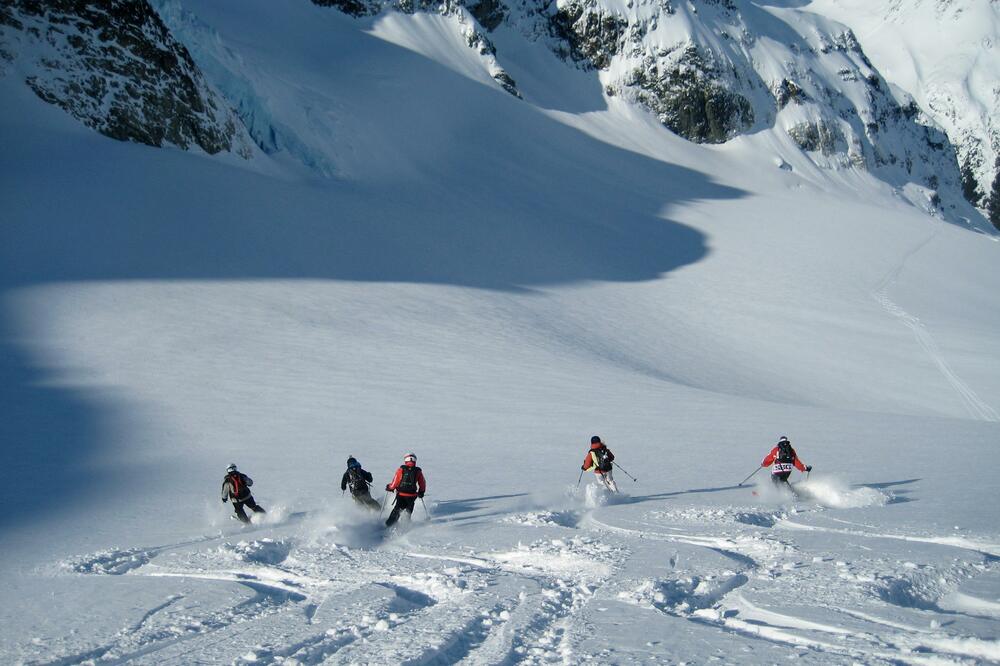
(780, 468)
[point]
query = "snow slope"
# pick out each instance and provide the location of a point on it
(486, 282)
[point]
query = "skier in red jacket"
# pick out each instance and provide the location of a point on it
(783, 457)
(599, 458)
(409, 484)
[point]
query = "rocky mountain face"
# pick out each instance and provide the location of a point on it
(945, 54)
(712, 70)
(709, 70)
(116, 68)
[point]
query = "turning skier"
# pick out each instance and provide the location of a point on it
(408, 484)
(784, 458)
(357, 479)
(599, 459)
(236, 488)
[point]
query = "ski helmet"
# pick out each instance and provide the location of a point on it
(351, 462)
(782, 439)
(595, 440)
(410, 458)
(231, 468)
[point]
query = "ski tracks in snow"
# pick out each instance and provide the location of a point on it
(535, 587)
(976, 407)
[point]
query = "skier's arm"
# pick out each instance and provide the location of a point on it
(247, 480)
(225, 490)
(343, 481)
(421, 483)
(798, 463)
(367, 476)
(588, 462)
(770, 458)
(611, 456)
(395, 480)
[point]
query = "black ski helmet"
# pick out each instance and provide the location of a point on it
(595, 440)
(782, 439)
(351, 462)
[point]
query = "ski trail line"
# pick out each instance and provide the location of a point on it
(976, 407)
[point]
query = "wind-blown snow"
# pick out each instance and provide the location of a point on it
(488, 283)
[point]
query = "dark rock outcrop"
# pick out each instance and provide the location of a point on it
(115, 67)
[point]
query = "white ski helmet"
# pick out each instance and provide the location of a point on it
(782, 439)
(231, 468)
(410, 457)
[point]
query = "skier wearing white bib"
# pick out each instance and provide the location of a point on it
(783, 458)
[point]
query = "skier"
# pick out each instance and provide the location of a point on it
(408, 484)
(358, 480)
(236, 487)
(783, 457)
(599, 458)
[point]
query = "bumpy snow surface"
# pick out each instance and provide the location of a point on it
(420, 261)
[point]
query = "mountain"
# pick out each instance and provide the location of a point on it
(956, 80)
(483, 234)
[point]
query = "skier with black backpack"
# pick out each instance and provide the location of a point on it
(783, 458)
(357, 479)
(408, 484)
(236, 488)
(599, 459)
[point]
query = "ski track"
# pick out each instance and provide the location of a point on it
(976, 407)
(415, 601)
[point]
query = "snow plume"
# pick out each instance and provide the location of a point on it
(836, 494)
(826, 491)
(351, 527)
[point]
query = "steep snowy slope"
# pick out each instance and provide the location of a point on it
(419, 260)
(945, 55)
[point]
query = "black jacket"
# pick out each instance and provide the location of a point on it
(236, 486)
(364, 477)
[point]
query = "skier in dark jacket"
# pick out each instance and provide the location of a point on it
(357, 479)
(784, 458)
(408, 484)
(599, 459)
(236, 487)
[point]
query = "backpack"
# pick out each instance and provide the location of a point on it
(408, 481)
(235, 480)
(357, 483)
(603, 463)
(786, 454)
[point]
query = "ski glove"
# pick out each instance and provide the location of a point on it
(420, 494)
(809, 468)
(388, 487)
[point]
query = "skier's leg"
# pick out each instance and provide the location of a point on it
(394, 515)
(609, 480)
(240, 513)
(408, 504)
(370, 502)
(257, 508)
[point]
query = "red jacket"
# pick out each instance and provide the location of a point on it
(773, 455)
(421, 483)
(590, 461)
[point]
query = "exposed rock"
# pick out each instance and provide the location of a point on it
(818, 136)
(689, 99)
(993, 206)
(115, 67)
(787, 91)
(488, 13)
(353, 8)
(591, 36)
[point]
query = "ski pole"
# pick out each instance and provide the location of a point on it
(748, 478)
(385, 498)
(423, 504)
(626, 473)
(580, 479)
